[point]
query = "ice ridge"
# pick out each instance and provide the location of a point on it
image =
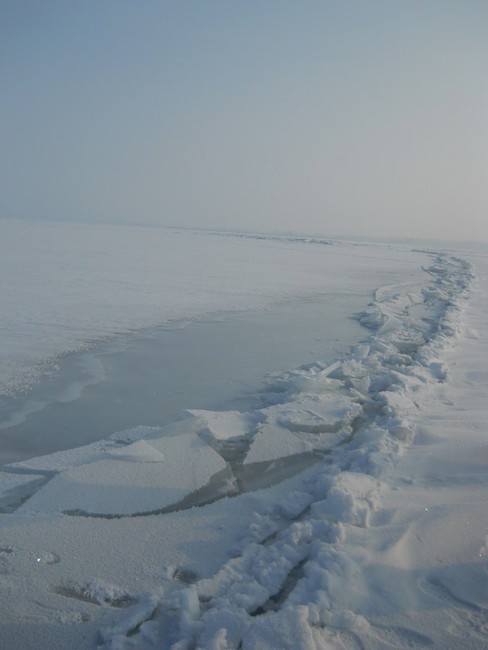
(283, 585)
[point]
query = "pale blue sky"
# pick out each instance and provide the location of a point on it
(340, 117)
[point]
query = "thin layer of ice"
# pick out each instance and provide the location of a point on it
(101, 280)
(141, 477)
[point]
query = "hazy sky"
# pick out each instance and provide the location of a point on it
(365, 117)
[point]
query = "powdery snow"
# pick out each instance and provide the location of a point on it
(375, 538)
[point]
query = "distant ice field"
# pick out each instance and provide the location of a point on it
(107, 327)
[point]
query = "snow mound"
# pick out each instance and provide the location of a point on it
(351, 498)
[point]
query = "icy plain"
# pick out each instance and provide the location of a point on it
(347, 511)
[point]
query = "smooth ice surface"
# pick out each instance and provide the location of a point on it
(375, 537)
(154, 375)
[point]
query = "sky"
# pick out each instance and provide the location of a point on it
(332, 117)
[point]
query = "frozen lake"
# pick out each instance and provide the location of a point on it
(151, 377)
(328, 453)
(105, 328)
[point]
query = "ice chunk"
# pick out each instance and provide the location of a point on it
(139, 478)
(273, 442)
(15, 487)
(139, 452)
(222, 425)
(62, 460)
(309, 413)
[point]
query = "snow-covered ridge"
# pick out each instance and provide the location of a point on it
(285, 583)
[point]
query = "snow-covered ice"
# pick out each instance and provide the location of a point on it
(66, 285)
(222, 425)
(347, 510)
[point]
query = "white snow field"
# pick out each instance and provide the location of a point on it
(348, 511)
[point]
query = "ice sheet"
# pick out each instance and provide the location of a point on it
(381, 543)
(66, 285)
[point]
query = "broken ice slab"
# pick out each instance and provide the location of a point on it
(141, 477)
